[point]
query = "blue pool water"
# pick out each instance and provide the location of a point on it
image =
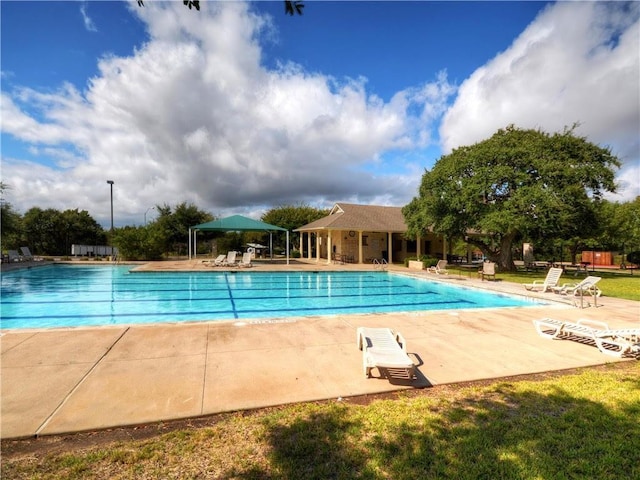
(68, 295)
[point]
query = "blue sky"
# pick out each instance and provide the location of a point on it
(239, 108)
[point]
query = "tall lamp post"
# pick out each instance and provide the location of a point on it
(145, 214)
(110, 182)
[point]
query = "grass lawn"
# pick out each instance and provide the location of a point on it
(584, 425)
(616, 283)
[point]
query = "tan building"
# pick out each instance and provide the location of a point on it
(361, 233)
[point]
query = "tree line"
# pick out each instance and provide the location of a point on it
(51, 232)
(516, 186)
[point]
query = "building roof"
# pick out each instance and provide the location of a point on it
(237, 223)
(366, 218)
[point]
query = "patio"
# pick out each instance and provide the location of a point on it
(78, 379)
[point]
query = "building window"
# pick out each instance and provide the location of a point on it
(364, 241)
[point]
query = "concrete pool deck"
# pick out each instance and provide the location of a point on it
(77, 379)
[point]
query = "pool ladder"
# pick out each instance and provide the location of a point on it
(380, 264)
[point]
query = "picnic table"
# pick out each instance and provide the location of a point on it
(469, 267)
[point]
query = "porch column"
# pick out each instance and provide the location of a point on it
(301, 242)
(389, 247)
(318, 240)
(329, 248)
(360, 246)
(309, 245)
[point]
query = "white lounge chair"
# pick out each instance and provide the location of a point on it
(246, 260)
(614, 342)
(553, 277)
(219, 261)
(439, 268)
(384, 349)
(231, 259)
(14, 256)
(586, 286)
(26, 254)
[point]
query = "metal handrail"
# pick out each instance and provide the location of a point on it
(380, 264)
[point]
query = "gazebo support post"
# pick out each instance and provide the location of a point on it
(287, 247)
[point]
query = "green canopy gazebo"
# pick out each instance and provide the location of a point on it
(235, 223)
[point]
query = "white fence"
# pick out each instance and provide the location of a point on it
(93, 250)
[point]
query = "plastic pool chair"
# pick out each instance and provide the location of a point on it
(614, 342)
(586, 286)
(14, 256)
(219, 261)
(246, 260)
(231, 259)
(385, 350)
(26, 254)
(488, 270)
(553, 277)
(439, 268)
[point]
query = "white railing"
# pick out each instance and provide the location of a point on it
(380, 264)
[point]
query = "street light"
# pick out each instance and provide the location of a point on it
(145, 214)
(110, 182)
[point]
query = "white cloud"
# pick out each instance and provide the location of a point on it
(576, 62)
(193, 116)
(628, 183)
(88, 22)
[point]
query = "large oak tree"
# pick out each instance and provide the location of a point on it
(518, 184)
(292, 217)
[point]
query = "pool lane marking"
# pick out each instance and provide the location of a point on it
(222, 288)
(233, 303)
(80, 382)
(206, 299)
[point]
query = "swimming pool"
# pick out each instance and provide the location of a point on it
(70, 295)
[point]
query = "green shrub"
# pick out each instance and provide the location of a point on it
(428, 261)
(139, 243)
(634, 257)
